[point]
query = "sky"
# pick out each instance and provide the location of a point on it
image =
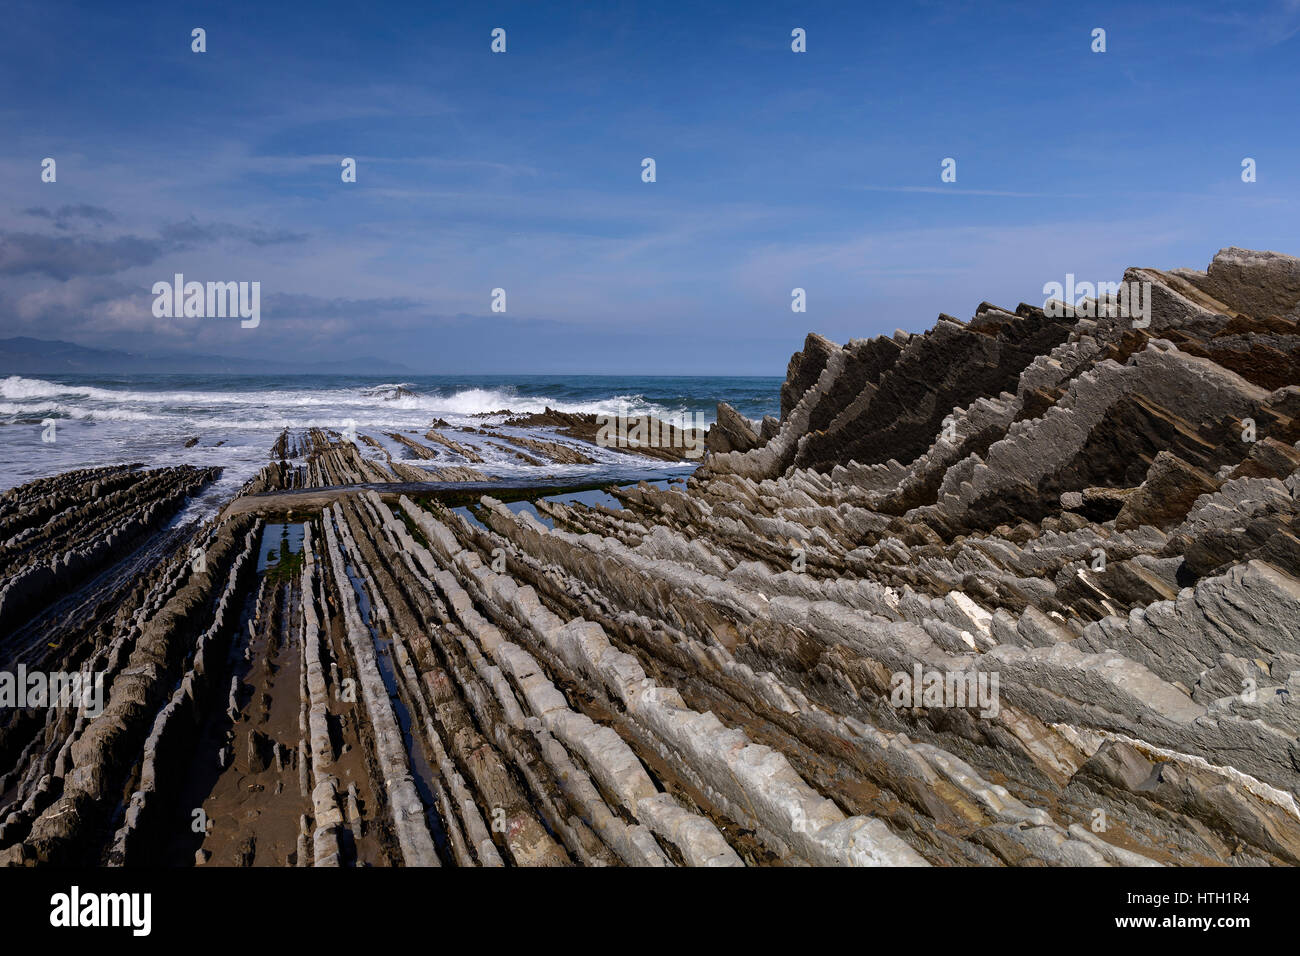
(522, 170)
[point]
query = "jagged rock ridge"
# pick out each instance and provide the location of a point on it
(1095, 519)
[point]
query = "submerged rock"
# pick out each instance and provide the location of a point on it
(1021, 590)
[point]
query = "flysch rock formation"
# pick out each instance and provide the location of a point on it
(323, 457)
(1016, 591)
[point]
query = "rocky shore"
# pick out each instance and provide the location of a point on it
(1022, 590)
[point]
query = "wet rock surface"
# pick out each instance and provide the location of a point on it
(1021, 590)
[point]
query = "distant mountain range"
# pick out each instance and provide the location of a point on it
(23, 355)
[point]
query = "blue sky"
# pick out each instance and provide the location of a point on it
(522, 170)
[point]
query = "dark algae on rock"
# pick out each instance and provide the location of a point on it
(1020, 590)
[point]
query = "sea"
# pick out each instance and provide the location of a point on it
(148, 419)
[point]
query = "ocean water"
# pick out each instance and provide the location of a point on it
(114, 419)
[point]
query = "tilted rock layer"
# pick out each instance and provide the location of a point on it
(1017, 591)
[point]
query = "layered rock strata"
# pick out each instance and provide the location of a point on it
(1023, 590)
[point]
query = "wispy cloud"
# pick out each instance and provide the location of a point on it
(522, 171)
(64, 214)
(190, 232)
(962, 191)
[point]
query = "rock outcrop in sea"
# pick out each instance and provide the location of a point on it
(1021, 590)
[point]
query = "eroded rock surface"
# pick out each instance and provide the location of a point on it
(1021, 590)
